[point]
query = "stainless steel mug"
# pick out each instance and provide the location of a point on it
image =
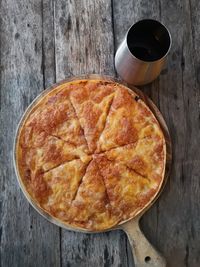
(142, 54)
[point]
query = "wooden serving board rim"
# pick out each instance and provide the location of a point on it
(149, 104)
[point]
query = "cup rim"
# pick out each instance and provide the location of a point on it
(153, 61)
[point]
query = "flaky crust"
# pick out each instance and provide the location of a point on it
(91, 154)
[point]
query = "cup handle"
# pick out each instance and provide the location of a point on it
(145, 255)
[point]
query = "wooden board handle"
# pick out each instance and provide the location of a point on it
(145, 255)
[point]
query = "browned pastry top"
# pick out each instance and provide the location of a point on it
(91, 154)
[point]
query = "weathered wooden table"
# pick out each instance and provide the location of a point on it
(42, 42)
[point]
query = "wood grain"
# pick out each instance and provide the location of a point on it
(172, 225)
(26, 238)
(45, 41)
(84, 44)
(84, 38)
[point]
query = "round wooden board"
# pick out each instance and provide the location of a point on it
(149, 103)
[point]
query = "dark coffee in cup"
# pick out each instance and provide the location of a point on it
(148, 40)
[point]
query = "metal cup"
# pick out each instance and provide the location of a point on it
(142, 54)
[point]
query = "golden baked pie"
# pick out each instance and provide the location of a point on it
(91, 154)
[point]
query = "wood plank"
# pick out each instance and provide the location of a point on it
(84, 44)
(26, 238)
(172, 225)
(84, 38)
(182, 111)
(48, 43)
(126, 13)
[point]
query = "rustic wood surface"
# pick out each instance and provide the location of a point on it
(45, 41)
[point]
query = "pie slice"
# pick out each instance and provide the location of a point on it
(61, 186)
(92, 102)
(129, 119)
(91, 208)
(90, 153)
(128, 191)
(145, 157)
(51, 153)
(55, 117)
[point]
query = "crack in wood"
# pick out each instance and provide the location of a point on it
(186, 259)
(54, 40)
(43, 53)
(60, 245)
(113, 31)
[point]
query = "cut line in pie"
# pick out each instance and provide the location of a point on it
(91, 154)
(129, 119)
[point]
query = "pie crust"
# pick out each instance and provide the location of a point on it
(91, 154)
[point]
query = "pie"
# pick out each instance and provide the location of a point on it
(91, 154)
